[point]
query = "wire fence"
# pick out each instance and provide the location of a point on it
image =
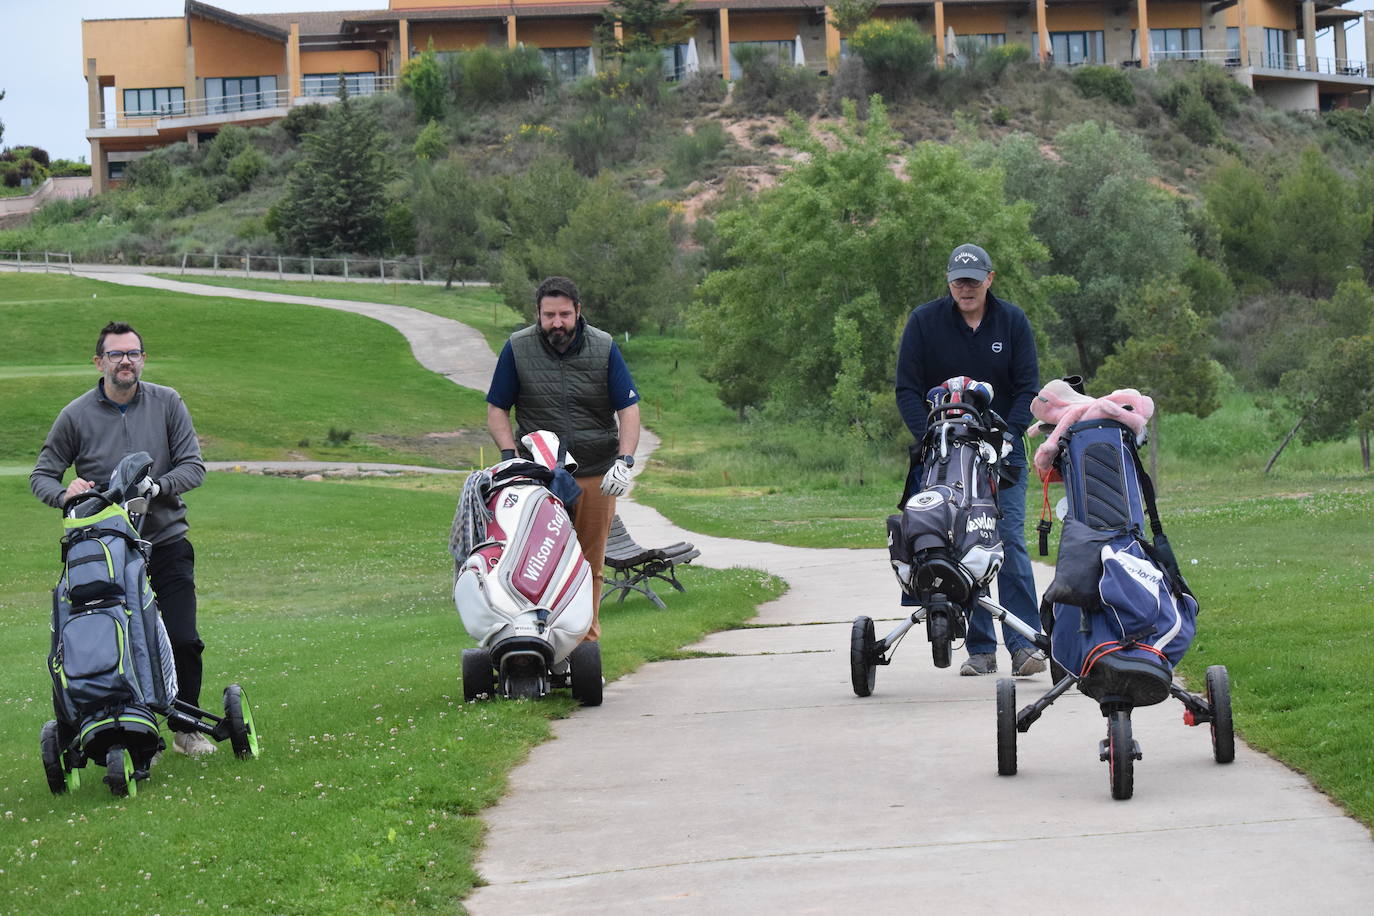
(45, 261)
(411, 269)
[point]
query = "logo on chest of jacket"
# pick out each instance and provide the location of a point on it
(997, 346)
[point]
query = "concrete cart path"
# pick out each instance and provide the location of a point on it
(755, 781)
(442, 345)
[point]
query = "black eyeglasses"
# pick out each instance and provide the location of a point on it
(115, 356)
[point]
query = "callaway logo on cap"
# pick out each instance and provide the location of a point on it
(968, 262)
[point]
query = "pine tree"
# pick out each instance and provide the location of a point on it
(335, 199)
(645, 25)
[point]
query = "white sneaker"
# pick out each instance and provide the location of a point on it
(192, 744)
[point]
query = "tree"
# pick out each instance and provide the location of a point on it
(645, 25)
(620, 253)
(1320, 236)
(848, 15)
(424, 80)
(822, 269)
(430, 143)
(1166, 352)
(2, 123)
(447, 206)
(335, 198)
(1332, 395)
(1241, 207)
(1106, 226)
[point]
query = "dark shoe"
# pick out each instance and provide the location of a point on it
(1025, 662)
(979, 663)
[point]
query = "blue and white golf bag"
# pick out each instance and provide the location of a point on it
(1119, 613)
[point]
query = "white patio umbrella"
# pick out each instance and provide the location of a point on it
(798, 55)
(952, 47)
(591, 62)
(692, 64)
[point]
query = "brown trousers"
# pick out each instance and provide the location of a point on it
(592, 522)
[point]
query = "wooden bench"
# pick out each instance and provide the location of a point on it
(632, 566)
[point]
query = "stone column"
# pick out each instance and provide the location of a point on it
(1342, 53)
(100, 172)
(1243, 21)
(293, 64)
(511, 40)
(403, 39)
(1042, 30)
(724, 43)
(832, 41)
(1142, 31)
(940, 49)
(1309, 34)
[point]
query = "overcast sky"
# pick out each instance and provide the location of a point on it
(41, 73)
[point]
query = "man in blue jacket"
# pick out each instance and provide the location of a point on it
(971, 332)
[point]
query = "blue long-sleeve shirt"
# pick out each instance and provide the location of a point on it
(938, 344)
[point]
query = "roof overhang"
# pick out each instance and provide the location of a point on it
(233, 20)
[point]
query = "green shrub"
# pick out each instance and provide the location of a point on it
(692, 153)
(303, 120)
(1353, 123)
(247, 164)
(1105, 83)
(423, 80)
(767, 87)
(148, 172)
(430, 144)
(898, 56)
(1196, 118)
(1001, 115)
(228, 143)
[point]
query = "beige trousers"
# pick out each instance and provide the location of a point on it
(592, 522)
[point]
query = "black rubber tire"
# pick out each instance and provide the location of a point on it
(584, 673)
(937, 631)
(243, 733)
(863, 670)
(1006, 727)
(119, 772)
(1219, 698)
(479, 679)
(1120, 756)
(52, 758)
(523, 688)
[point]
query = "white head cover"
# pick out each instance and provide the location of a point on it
(543, 447)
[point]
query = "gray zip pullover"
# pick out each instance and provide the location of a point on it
(92, 434)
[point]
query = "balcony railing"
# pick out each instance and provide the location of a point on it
(170, 114)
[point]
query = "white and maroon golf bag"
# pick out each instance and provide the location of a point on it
(521, 584)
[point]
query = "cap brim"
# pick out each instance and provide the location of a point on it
(966, 273)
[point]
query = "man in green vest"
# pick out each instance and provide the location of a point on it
(565, 376)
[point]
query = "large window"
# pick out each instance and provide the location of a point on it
(983, 40)
(1073, 47)
(567, 63)
(1275, 48)
(154, 102)
(781, 51)
(675, 62)
(1233, 46)
(327, 84)
(1175, 44)
(239, 93)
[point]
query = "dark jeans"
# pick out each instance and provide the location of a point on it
(172, 572)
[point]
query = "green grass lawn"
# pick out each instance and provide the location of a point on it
(478, 307)
(262, 381)
(1283, 561)
(330, 603)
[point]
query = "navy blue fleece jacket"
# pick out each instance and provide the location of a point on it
(938, 344)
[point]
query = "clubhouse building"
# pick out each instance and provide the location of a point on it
(154, 82)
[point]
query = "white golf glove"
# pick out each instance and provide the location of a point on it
(617, 479)
(148, 488)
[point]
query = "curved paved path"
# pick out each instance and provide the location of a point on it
(754, 781)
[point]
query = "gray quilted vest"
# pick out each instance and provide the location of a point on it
(567, 394)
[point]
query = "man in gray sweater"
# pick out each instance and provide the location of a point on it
(124, 414)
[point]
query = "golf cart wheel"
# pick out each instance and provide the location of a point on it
(584, 670)
(1120, 755)
(243, 735)
(479, 679)
(1006, 727)
(1219, 698)
(937, 631)
(119, 772)
(52, 759)
(863, 669)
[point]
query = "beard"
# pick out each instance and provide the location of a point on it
(122, 379)
(557, 337)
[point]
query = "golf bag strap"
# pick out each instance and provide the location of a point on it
(1147, 487)
(1045, 524)
(78, 535)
